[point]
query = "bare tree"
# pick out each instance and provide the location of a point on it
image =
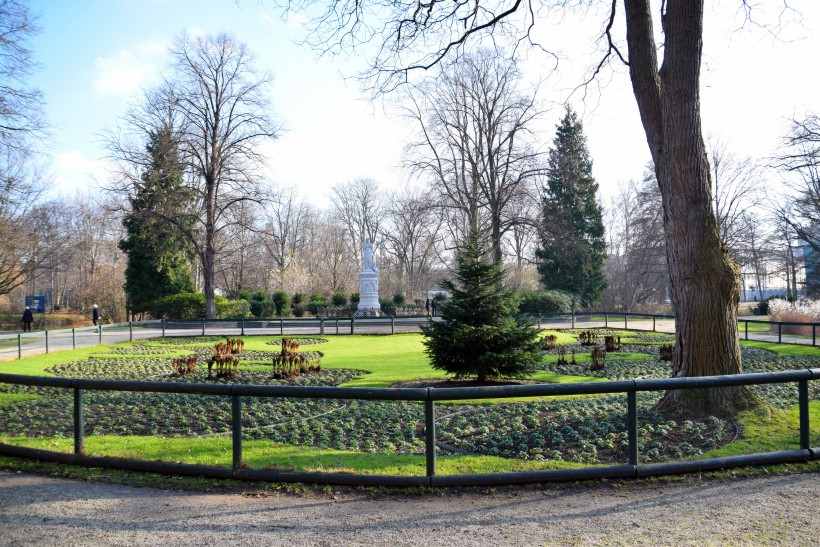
(522, 238)
(475, 141)
(216, 107)
(412, 234)
(737, 190)
(800, 162)
(20, 105)
(23, 238)
(358, 206)
(284, 235)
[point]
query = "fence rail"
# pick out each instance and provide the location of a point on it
(236, 392)
(19, 344)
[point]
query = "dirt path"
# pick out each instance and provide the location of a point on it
(36, 510)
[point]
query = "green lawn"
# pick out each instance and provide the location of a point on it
(262, 454)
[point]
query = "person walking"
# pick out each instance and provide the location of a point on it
(433, 307)
(95, 315)
(28, 319)
(427, 306)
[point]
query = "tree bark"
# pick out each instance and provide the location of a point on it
(704, 278)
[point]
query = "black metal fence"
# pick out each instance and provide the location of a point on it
(429, 396)
(17, 344)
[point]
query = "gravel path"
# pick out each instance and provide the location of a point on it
(37, 510)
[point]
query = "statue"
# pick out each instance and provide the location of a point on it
(368, 283)
(368, 262)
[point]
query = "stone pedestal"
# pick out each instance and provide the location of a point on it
(368, 294)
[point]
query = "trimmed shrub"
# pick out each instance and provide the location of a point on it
(544, 303)
(398, 300)
(387, 306)
(232, 309)
(185, 306)
(298, 310)
(339, 299)
(298, 298)
(260, 305)
(317, 303)
(281, 302)
(354, 299)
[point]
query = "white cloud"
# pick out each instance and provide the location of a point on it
(74, 171)
(124, 73)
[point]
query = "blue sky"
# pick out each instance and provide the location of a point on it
(95, 57)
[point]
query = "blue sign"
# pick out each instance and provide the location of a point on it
(37, 303)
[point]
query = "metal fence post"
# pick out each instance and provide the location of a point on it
(606, 320)
(19, 346)
(73, 338)
(203, 326)
(352, 324)
(572, 317)
(626, 325)
(780, 333)
(814, 334)
(653, 324)
(79, 429)
(747, 328)
(46, 332)
(803, 393)
(100, 333)
(243, 326)
(236, 431)
(392, 325)
(162, 322)
(632, 426)
(130, 331)
(430, 435)
(321, 325)
(337, 326)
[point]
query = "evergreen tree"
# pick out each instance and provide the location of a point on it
(572, 248)
(158, 261)
(479, 334)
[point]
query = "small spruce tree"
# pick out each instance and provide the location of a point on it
(478, 334)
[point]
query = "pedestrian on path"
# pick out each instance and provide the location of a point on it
(427, 306)
(28, 319)
(95, 315)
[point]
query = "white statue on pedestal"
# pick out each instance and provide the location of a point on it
(368, 283)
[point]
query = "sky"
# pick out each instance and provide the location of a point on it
(96, 57)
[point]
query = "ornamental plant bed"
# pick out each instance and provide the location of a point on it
(439, 383)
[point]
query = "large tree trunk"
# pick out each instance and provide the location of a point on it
(208, 272)
(208, 276)
(704, 279)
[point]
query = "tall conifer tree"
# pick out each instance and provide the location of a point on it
(572, 248)
(158, 260)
